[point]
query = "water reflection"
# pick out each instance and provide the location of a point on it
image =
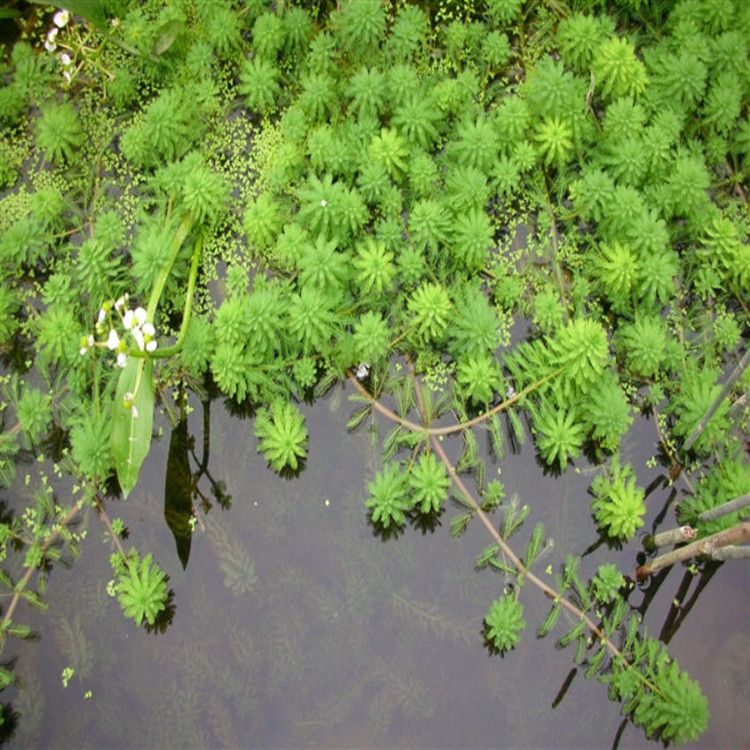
(295, 626)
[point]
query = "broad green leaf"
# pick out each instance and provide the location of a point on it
(132, 419)
(166, 35)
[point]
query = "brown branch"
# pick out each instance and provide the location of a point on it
(448, 429)
(523, 571)
(706, 546)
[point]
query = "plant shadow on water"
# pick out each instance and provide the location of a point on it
(297, 625)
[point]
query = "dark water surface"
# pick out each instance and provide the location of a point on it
(295, 626)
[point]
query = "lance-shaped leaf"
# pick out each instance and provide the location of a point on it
(132, 418)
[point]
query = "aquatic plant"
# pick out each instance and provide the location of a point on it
(429, 481)
(58, 132)
(141, 588)
(388, 194)
(559, 433)
(388, 501)
(607, 583)
(282, 435)
(504, 622)
(618, 503)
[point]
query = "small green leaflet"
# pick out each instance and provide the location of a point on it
(132, 422)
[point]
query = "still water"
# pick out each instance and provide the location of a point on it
(295, 626)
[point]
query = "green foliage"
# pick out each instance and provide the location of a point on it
(360, 26)
(141, 588)
(617, 69)
(58, 132)
(504, 622)
(374, 267)
(430, 307)
(259, 84)
(478, 377)
(677, 711)
(282, 435)
(607, 583)
(371, 337)
(429, 482)
(473, 327)
(618, 503)
(697, 392)
(607, 412)
(559, 433)
(408, 192)
(645, 344)
(726, 480)
(34, 413)
(580, 349)
(388, 501)
(167, 131)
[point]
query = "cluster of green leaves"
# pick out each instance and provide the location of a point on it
(141, 587)
(396, 490)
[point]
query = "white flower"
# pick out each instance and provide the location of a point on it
(134, 411)
(121, 302)
(86, 343)
(50, 46)
(113, 340)
(151, 346)
(122, 359)
(68, 76)
(363, 370)
(51, 34)
(101, 317)
(323, 203)
(148, 329)
(66, 59)
(61, 18)
(128, 319)
(140, 315)
(138, 336)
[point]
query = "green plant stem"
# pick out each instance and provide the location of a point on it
(23, 582)
(168, 351)
(555, 247)
(735, 375)
(706, 546)
(179, 237)
(448, 429)
(523, 571)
